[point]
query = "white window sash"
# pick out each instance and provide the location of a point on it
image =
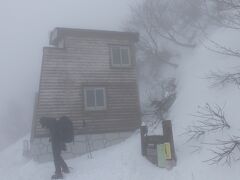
(121, 58)
(121, 54)
(95, 107)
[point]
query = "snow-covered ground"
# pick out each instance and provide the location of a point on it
(119, 162)
(124, 161)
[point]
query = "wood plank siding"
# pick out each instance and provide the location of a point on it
(85, 61)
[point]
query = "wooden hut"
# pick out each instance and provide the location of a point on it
(90, 76)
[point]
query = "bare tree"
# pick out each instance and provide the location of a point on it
(227, 13)
(226, 151)
(159, 106)
(163, 22)
(222, 13)
(194, 132)
(221, 49)
(220, 78)
(212, 118)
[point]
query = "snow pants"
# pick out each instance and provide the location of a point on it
(59, 163)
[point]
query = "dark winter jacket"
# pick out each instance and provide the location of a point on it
(52, 126)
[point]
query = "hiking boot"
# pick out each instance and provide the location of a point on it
(57, 176)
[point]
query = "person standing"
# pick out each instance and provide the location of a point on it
(57, 146)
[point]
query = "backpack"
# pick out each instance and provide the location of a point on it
(65, 130)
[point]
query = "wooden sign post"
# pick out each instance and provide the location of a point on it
(164, 154)
(168, 136)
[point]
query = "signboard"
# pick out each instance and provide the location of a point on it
(159, 149)
(167, 148)
(161, 156)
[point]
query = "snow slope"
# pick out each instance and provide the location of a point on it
(194, 91)
(124, 161)
(120, 162)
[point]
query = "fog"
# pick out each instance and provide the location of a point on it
(25, 27)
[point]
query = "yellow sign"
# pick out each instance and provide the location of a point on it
(167, 151)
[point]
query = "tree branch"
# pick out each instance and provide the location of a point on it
(212, 118)
(226, 151)
(223, 78)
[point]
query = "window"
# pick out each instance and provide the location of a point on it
(120, 56)
(95, 98)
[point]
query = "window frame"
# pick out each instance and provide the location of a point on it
(95, 107)
(121, 59)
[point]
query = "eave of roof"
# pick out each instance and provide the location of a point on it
(63, 32)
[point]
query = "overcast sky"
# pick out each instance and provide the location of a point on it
(24, 30)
